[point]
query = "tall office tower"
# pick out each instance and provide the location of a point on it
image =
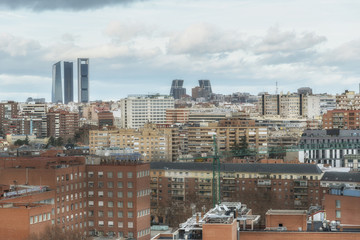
(83, 80)
(68, 82)
(56, 94)
(177, 90)
(205, 84)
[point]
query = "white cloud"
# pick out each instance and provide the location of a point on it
(17, 46)
(204, 39)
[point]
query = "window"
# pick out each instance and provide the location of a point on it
(119, 194)
(110, 223)
(101, 203)
(130, 204)
(338, 213)
(120, 204)
(120, 214)
(129, 174)
(337, 203)
(100, 184)
(129, 194)
(100, 213)
(100, 193)
(120, 224)
(110, 194)
(120, 185)
(31, 220)
(100, 174)
(91, 223)
(110, 204)
(109, 174)
(119, 175)
(130, 185)
(101, 223)
(130, 214)
(110, 184)
(130, 225)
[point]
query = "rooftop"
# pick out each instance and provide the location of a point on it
(341, 176)
(240, 167)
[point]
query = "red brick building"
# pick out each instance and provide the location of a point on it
(342, 119)
(107, 199)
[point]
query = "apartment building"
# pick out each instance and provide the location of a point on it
(119, 200)
(62, 124)
(329, 146)
(290, 105)
(200, 138)
(137, 110)
(341, 119)
(177, 115)
(7, 110)
(152, 142)
(260, 186)
(110, 199)
(348, 100)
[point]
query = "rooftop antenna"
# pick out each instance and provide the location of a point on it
(276, 91)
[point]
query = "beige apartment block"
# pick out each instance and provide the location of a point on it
(152, 142)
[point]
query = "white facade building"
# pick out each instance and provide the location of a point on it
(136, 110)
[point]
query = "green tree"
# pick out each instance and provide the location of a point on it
(59, 141)
(26, 141)
(51, 141)
(19, 142)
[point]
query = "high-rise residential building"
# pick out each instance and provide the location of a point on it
(62, 124)
(68, 82)
(83, 80)
(56, 94)
(206, 85)
(177, 90)
(136, 110)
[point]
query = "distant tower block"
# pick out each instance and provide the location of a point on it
(56, 93)
(83, 80)
(68, 82)
(177, 90)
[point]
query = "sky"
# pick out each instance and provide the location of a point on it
(139, 47)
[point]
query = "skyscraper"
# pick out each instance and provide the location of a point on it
(177, 90)
(205, 84)
(68, 82)
(56, 94)
(83, 80)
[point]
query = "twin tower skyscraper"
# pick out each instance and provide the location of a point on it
(83, 82)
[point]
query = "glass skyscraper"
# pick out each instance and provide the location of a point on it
(68, 82)
(56, 93)
(83, 80)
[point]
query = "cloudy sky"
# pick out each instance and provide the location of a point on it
(138, 47)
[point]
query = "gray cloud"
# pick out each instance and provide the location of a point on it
(43, 5)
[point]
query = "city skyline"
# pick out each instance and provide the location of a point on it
(240, 46)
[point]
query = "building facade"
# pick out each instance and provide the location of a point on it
(56, 93)
(83, 80)
(68, 82)
(140, 109)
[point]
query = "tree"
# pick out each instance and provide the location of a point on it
(56, 233)
(19, 142)
(26, 141)
(51, 141)
(59, 141)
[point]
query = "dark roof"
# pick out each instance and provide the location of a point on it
(240, 167)
(341, 177)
